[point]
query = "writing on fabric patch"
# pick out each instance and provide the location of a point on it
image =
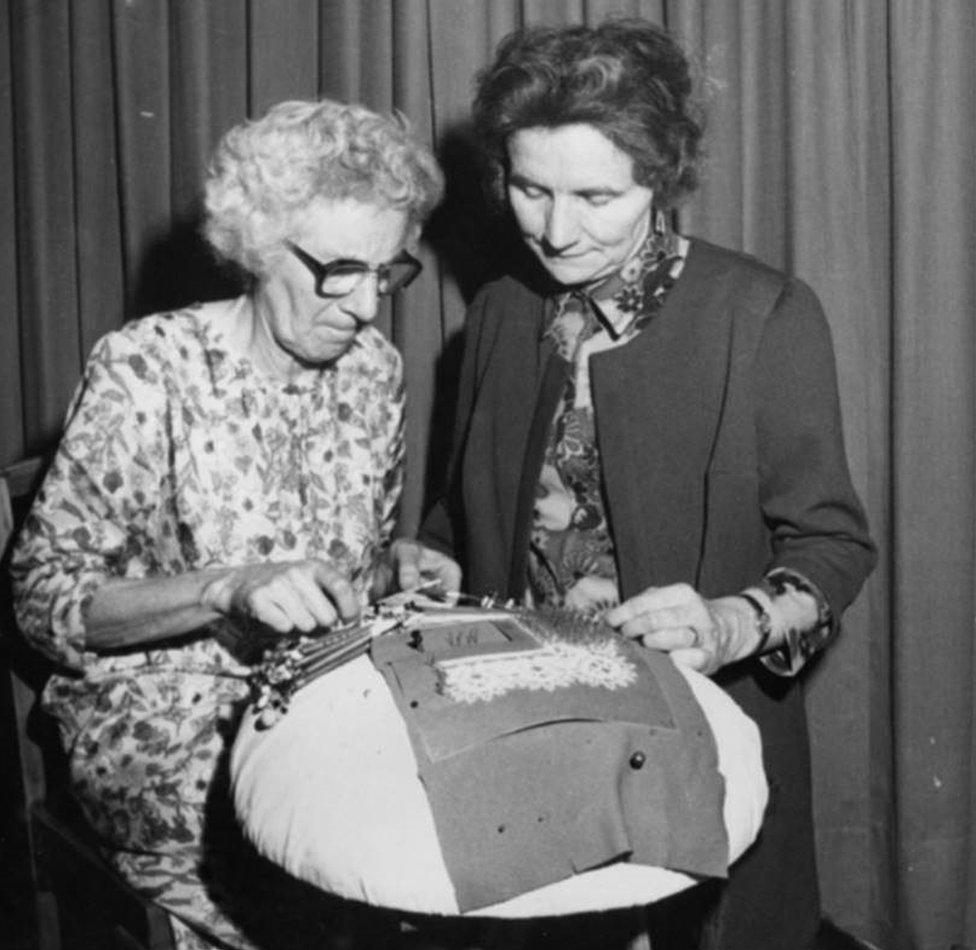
(481, 638)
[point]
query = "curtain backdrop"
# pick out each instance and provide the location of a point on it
(841, 147)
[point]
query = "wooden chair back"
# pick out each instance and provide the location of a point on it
(17, 486)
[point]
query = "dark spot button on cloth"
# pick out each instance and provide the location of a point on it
(637, 760)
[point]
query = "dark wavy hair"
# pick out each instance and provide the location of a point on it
(628, 79)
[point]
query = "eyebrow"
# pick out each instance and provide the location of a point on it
(605, 190)
(522, 180)
(334, 258)
(517, 179)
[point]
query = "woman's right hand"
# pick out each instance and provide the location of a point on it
(285, 596)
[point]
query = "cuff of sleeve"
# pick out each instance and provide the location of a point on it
(798, 645)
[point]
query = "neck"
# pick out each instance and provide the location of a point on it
(640, 238)
(256, 341)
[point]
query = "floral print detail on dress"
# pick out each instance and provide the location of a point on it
(179, 456)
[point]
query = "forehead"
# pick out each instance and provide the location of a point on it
(570, 158)
(354, 229)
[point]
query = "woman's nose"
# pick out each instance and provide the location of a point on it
(560, 230)
(363, 301)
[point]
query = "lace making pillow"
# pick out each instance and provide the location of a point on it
(503, 763)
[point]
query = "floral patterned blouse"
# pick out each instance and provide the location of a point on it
(179, 456)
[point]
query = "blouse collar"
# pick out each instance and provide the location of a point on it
(620, 298)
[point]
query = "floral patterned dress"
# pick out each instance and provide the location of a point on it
(178, 456)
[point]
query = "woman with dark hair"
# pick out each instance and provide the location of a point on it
(648, 426)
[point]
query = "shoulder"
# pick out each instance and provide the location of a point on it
(372, 360)
(710, 262)
(746, 284)
(504, 303)
(374, 347)
(778, 317)
(159, 337)
(150, 359)
(503, 293)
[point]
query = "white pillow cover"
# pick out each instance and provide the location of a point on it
(331, 794)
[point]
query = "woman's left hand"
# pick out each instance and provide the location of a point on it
(408, 563)
(703, 634)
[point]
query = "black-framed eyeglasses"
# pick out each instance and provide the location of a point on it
(340, 277)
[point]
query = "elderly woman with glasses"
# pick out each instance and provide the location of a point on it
(229, 472)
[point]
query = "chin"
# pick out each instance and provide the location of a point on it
(322, 357)
(573, 272)
(332, 354)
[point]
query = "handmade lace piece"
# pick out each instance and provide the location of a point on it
(544, 649)
(555, 665)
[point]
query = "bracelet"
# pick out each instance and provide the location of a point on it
(764, 622)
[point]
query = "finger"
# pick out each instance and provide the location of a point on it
(666, 618)
(339, 590)
(408, 572)
(445, 569)
(654, 598)
(323, 612)
(312, 600)
(260, 605)
(668, 640)
(301, 601)
(632, 608)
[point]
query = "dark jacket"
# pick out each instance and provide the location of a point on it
(720, 439)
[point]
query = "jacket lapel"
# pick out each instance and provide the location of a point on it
(553, 381)
(511, 421)
(658, 403)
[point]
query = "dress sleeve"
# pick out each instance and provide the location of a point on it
(818, 526)
(89, 520)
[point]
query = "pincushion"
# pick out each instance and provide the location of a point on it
(348, 790)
